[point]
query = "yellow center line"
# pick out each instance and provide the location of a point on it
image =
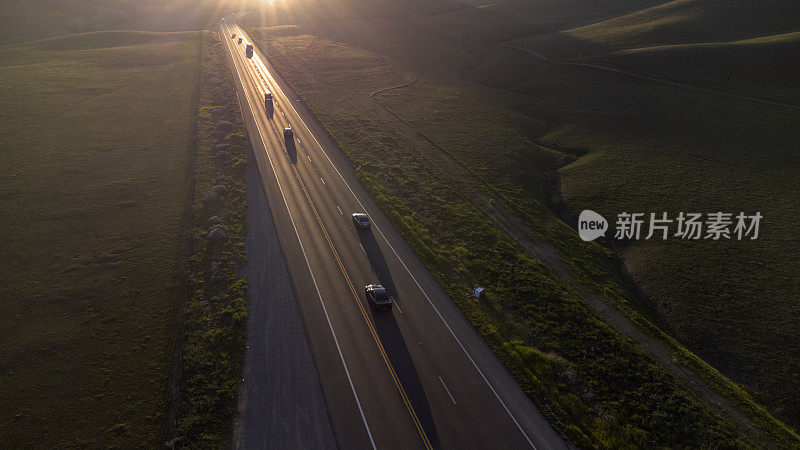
(406, 401)
(366, 316)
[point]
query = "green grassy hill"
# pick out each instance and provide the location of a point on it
(97, 131)
(763, 67)
(617, 143)
(732, 302)
(739, 47)
(691, 21)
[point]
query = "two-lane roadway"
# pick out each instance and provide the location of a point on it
(418, 376)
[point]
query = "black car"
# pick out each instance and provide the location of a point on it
(378, 297)
(288, 133)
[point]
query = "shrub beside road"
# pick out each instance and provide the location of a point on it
(216, 310)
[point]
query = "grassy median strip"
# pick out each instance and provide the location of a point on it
(592, 382)
(96, 142)
(216, 311)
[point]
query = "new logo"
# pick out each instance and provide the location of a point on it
(591, 225)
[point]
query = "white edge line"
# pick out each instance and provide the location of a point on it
(319, 295)
(397, 305)
(448, 391)
(406, 267)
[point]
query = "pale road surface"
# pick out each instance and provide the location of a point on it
(277, 348)
(418, 376)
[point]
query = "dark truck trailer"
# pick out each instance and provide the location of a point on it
(249, 51)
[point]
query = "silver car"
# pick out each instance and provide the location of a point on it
(361, 220)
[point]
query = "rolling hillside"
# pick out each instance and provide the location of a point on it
(732, 302)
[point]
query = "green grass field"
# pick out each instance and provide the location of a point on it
(446, 149)
(97, 142)
(23, 21)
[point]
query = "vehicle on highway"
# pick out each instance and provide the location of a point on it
(288, 133)
(249, 51)
(240, 40)
(378, 297)
(361, 220)
(233, 36)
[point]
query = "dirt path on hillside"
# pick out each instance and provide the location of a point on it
(547, 253)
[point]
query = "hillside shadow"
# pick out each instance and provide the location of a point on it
(392, 338)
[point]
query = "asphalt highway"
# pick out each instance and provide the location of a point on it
(418, 376)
